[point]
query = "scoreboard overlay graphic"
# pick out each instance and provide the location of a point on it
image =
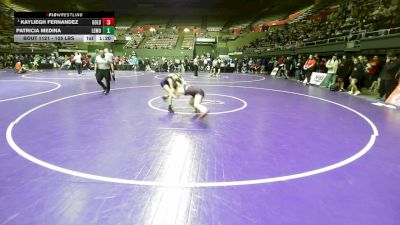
(64, 27)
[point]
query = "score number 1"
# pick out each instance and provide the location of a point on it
(108, 26)
(108, 30)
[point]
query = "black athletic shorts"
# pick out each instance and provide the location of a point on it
(193, 91)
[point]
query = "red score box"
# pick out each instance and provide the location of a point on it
(108, 21)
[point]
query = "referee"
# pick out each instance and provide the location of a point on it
(196, 65)
(103, 68)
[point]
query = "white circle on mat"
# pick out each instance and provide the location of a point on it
(85, 76)
(299, 175)
(30, 95)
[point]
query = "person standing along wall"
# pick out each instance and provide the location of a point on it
(356, 76)
(332, 66)
(387, 78)
(344, 71)
(309, 67)
(372, 71)
(108, 53)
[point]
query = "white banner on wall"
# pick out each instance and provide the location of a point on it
(274, 71)
(316, 78)
(206, 40)
(235, 53)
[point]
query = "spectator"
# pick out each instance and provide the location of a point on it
(322, 66)
(257, 66)
(346, 23)
(66, 65)
(344, 71)
(86, 62)
(299, 68)
(372, 71)
(356, 75)
(332, 66)
(389, 76)
(18, 68)
(134, 62)
(264, 65)
(310, 67)
(281, 66)
(288, 66)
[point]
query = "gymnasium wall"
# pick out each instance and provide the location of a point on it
(222, 48)
(392, 41)
(203, 49)
(95, 46)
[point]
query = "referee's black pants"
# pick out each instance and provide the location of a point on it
(79, 67)
(308, 75)
(104, 74)
(196, 69)
(387, 87)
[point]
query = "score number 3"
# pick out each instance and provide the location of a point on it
(108, 21)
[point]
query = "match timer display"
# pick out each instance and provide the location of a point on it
(64, 27)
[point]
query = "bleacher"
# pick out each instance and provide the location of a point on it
(36, 45)
(7, 31)
(162, 41)
(134, 41)
(120, 34)
(69, 45)
(188, 41)
(340, 23)
(6, 26)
